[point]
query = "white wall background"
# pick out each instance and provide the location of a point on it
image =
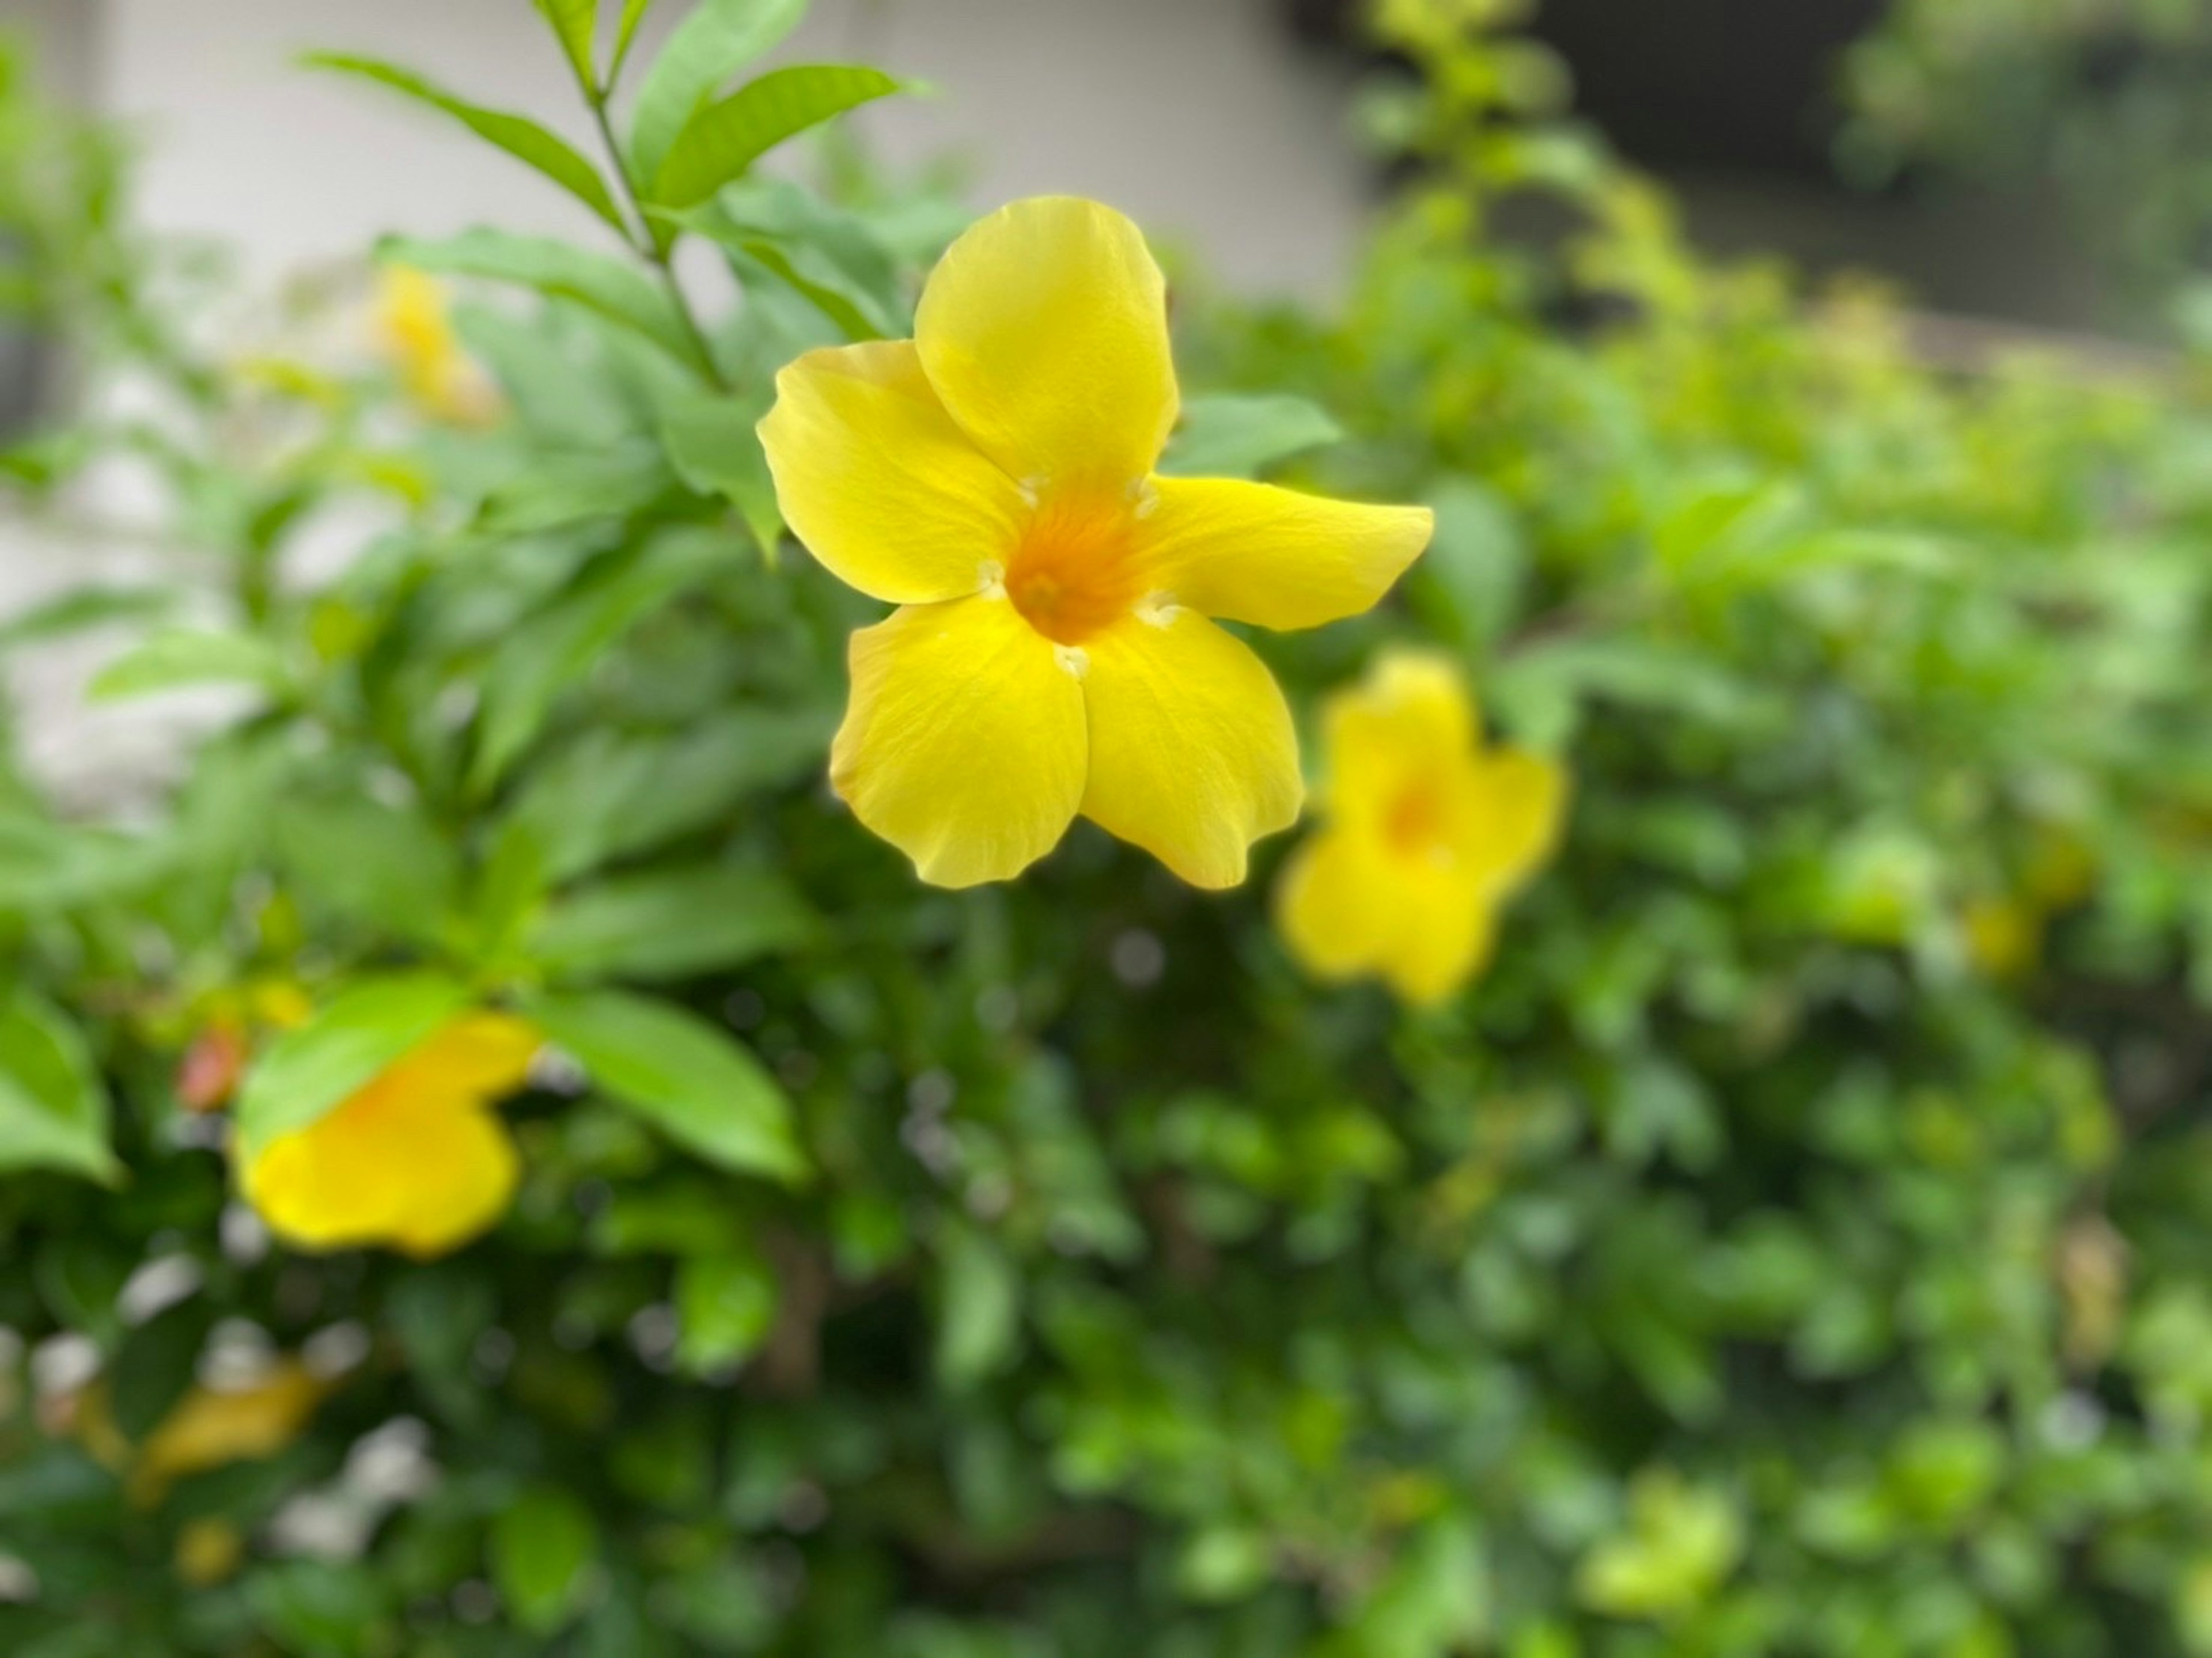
(1197, 116)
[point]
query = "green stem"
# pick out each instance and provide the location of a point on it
(648, 243)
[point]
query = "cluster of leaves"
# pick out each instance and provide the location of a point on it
(2103, 99)
(1762, 1260)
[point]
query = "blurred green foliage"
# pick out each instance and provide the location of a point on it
(1796, 1245)
(2098, 107)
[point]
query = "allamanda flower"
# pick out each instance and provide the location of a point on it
(418, 1160)
(418, 331)
(1056, 652)
(1428, 834)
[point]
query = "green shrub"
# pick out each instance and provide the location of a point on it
(1793, 1244)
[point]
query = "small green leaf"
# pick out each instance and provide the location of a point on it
(610, 794)
(53, 1113)
(1226, 436)
(979, 1307)
(178, 657)
(542, 1549)
(633, 14)
(375, 865)
(306, 1072)
(576, 25)
(606, 287)
(717, 40)
(720, 142)
(81, 608)
(714, 446)
(692, 1079)
(832, 257)
(518, 135)
(671, 924)
(156, 1363)
(726, 1305)
(554, 649)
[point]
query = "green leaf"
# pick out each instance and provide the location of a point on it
(720, 142)
(670, 923)
(532, 145)
(604, 286)
(979, 1307)
(692, 1079)
(713, 443)
(1226, 436)
(576, 25)
(374, 863)
(1467, 586)
(831, 256)
(543, 1549)
(717, 40)
(155, 1362)
(726, 1305)
(178, 657)
(633, 14)
(46, 866)
(610, 794)
(81, 608)
(53, 1111)
(555, 648)
(306, 1072)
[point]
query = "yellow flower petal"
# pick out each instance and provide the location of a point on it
(1336, 904)
(963, 746)
(1252, 552)
(1193, 754)
(1429, 833)
(1044, 329)
(1519, 802)
(879, 482)
(1348, 906)
(208, 1428)
(416, 1161)
(1410, 720)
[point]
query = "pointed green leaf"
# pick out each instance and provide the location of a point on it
(53, 1111)
(715, 446)
(617, 292)
(306, 1072)
(692, 1079)
(724, 139)
(720, 38)
(518, 135)
(177, 657)
(831, 256)
(575, 22)
(672, 924)
(542, 1551)
(633, 14)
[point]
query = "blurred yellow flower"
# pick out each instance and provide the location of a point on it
(1056, 654)
(417, 332)
(211, 1428)
(1428, 834)
(418, 1160)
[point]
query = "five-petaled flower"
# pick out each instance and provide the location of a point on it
(416, 1161)
(1428, 834)
(1056, 652)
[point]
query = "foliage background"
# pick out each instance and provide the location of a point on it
(1795, 1245)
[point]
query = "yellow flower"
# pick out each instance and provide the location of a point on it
(418, 335)
(211, 1428)
(1056, 653)
(1428, 834)
(417, 1160)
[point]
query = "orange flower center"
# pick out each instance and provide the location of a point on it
(1075, 570)
(1415, 825)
